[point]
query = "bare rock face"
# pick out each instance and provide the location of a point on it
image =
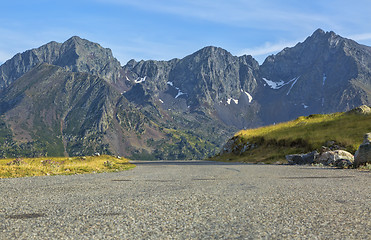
(210, 81)
(325, 73)
(78, 89)
(236, 145)
(338, 158)
(75, 55)
(363, 154)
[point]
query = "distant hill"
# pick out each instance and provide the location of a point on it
(75, 98)
(305, 134)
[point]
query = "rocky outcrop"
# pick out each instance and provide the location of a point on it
(337, 158)
(237, 146)
(363, 154)
(300, 159)
(361, 110)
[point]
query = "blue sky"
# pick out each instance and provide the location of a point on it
(166, 29)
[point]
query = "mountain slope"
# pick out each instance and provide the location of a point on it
(211, 81)
(74, 98)
(326, 73)
(54, 107)
(76, 55)
(52, 111)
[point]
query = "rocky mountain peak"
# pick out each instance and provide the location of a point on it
(131, 64)
(83, 46)
(75, 54)
(209, 59)
(331, 68)
(76, 39)
(206, 95)
(212, 53)
(320, 37)
(320, 34)
(319, 48)
(81, 55)
(213, 50)
(250, 61)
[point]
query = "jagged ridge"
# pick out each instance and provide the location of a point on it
(171, 109)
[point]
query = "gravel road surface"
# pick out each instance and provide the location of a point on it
(190, 200)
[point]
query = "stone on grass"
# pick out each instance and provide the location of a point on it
(361, 110)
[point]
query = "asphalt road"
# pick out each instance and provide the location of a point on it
(190, 200)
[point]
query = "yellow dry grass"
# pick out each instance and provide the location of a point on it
(26, 167)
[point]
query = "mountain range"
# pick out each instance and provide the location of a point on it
(75, 98)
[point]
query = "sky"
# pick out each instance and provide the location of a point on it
(167, 29)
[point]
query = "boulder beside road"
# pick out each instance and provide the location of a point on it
(337, 158)
(300, 159)
(363, 154)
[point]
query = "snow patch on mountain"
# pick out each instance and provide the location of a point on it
(280, 84)
(274, 85)
(231, 99)
(248, 95)
(140, 80)
(180, 93)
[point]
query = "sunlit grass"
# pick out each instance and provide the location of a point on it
(366, 167)
(25, 167)
(302, 135)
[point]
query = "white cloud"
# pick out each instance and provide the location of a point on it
(248, 22)
(265, 14)
(267, 48)
(141, 49)
(361, 37)
(260, 52)
(294, 18)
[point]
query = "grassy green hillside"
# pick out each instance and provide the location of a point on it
(270, 144)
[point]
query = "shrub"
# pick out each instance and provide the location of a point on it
(107, 164)
(17, 162)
